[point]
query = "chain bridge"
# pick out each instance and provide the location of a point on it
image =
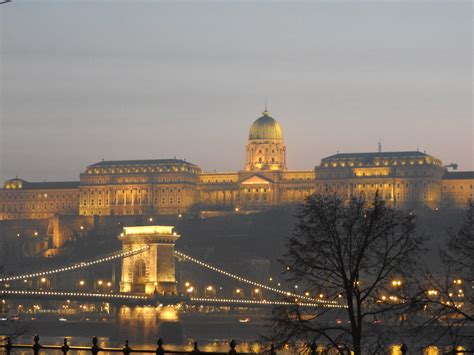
(148, 277)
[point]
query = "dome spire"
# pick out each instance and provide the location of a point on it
(265, 112)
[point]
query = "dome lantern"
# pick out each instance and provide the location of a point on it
(266, 127)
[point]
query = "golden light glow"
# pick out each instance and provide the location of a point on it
(148, 230)
(168, 313)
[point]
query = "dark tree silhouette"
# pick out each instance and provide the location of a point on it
(359, 255)
(460, 249)
(446, 299)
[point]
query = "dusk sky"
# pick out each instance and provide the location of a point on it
(89, 80)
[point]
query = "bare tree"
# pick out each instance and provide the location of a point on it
(459, 254)
(447, 298)
(359, 255)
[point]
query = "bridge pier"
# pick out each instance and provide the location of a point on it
(154, 269)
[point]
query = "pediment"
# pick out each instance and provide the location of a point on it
(256, 180)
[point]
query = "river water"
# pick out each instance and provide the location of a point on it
(142, 326)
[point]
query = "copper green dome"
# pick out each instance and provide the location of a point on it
(265, 127)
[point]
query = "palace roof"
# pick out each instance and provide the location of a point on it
(374, 155)
(23, 184)
(146, 162)
(380, 158)
(458, 175)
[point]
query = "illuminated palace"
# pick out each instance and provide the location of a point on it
(170, 186)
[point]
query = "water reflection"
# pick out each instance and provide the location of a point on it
(179, 327)
(144, 325)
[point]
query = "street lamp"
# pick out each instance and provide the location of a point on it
(191, 290)
(210, 291)
(257, 294)
(396, 283)
(238, 293)
(82, 283)
(43, 283)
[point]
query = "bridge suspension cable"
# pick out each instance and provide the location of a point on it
(320, 302)
(84, 264)
(204, 300)
(71, 294)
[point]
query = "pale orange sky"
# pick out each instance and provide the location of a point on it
(86, 80)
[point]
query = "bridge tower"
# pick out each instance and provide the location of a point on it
(154, 269)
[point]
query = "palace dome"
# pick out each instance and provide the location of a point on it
(265, 127)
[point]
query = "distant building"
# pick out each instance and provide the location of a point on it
(20, 199)
(458, 188)
(403, 179)
(173, 186)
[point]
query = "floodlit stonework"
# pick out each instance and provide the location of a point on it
(408, 179)
(154, 269)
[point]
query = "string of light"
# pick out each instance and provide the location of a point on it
(81, 265)
(262, 302)
(72, 294)
(260, 285)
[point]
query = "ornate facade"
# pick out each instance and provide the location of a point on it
(173, 186)
(20, 199)
(403, 179)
